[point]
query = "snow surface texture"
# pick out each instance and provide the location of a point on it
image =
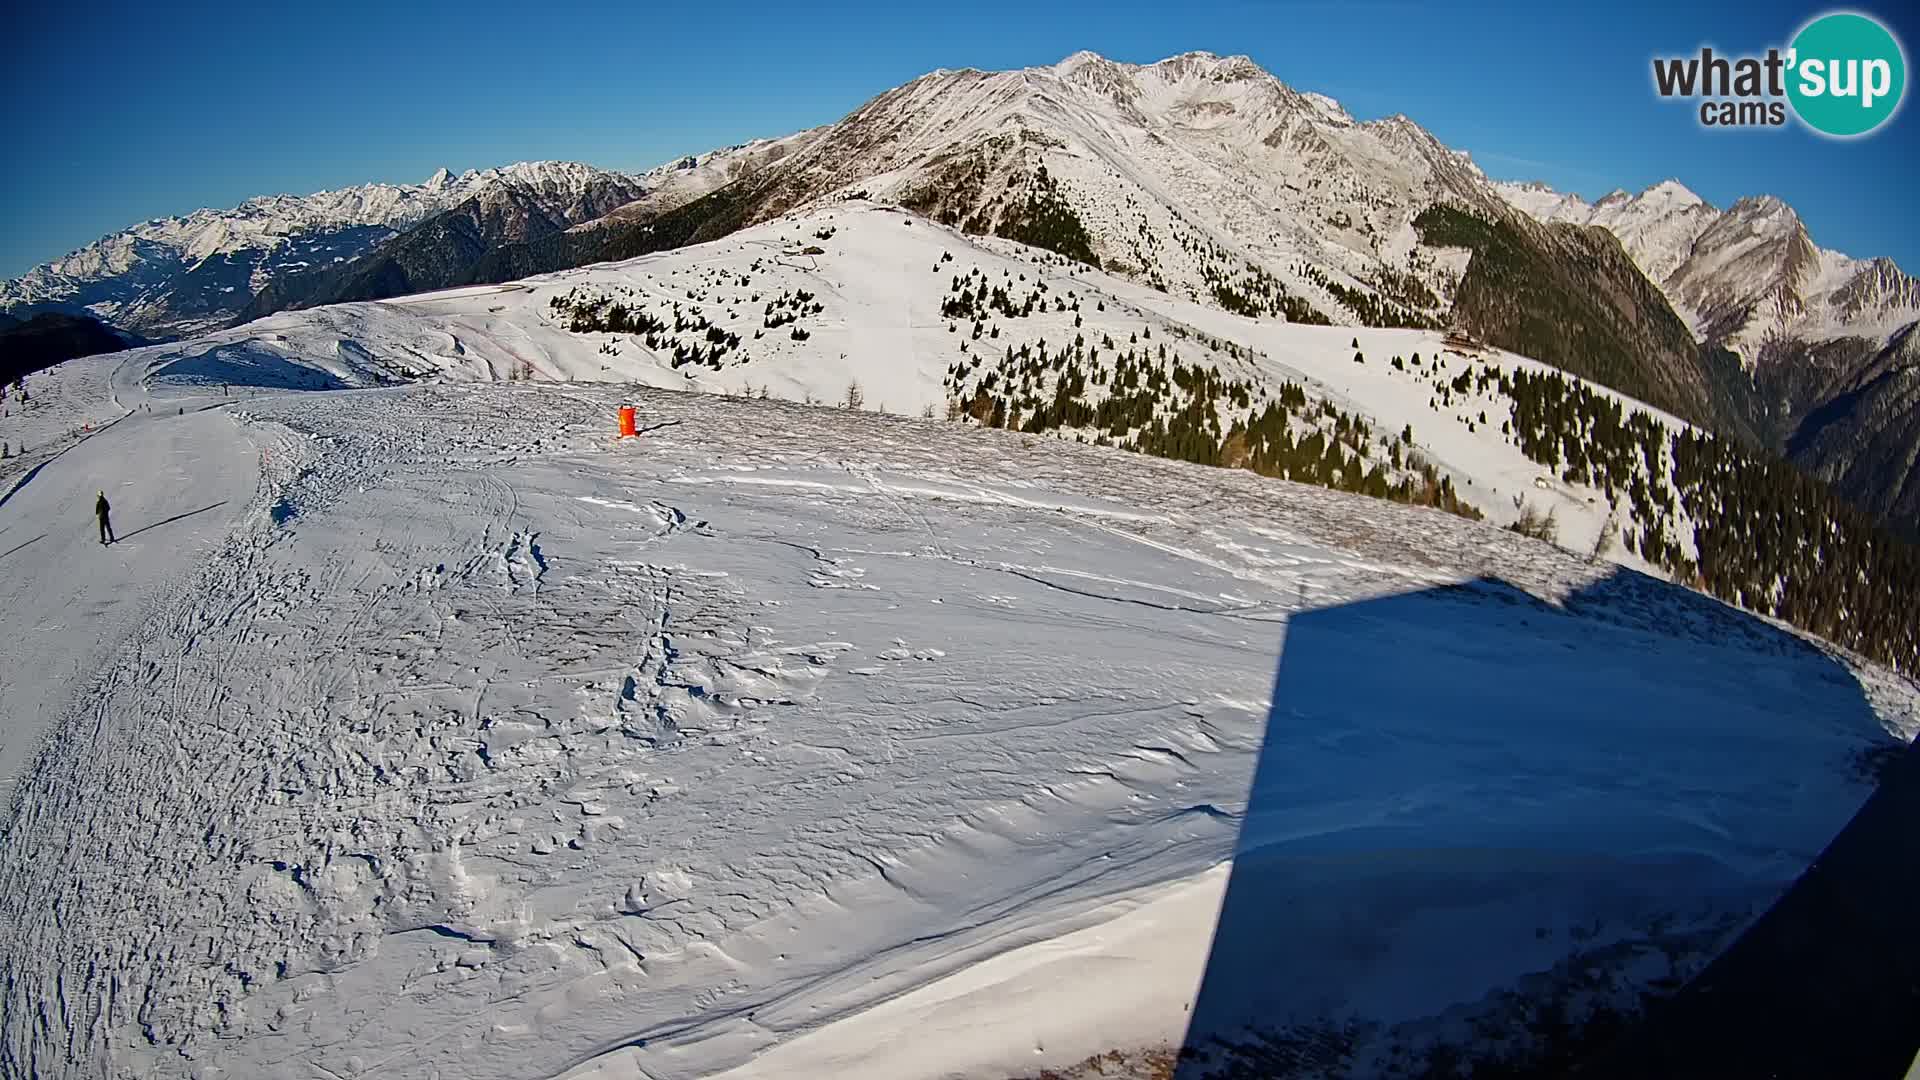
(155, 474)
(464, 740)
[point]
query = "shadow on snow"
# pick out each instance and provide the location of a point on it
(168, 521)
(245, 365)
(1487, 835)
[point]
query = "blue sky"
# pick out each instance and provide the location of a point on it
(120, 112)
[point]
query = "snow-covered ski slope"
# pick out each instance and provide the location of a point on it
(477, 743)
(428, 730)
(876, 280)
(67, 601)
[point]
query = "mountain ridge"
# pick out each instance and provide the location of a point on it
(187, 273)
(1209, 178)
(1824, 340)
(1724, 267)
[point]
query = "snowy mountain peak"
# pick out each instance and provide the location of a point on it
(1083, 58)
(1543, 203)
(1152, 158)
(1197, 64)
(1200, 65)
(1672, 192)
(1764, 209)
(1097, 73)
(1744, 276)
(1332, 110)
(1190, 60)
(439, 180)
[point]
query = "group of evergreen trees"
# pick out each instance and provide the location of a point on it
(1370, 309)
(1144, 397)
(1772, 539)
(972, 298)
(1141, 396)
(1746, 527)
(1342, 454)
(1258, 294)
(1406, 289)
(1588, 437)
(1145, 245)
(587, 313)
(684, 333)
(1045, 219)
(1764, 535)
(1030, 208)
(789, 307)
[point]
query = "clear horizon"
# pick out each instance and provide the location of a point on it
(169, 128)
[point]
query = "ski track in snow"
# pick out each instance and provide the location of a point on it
(474, 742)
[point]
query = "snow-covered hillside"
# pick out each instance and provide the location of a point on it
(1203, 177)
(180, 275)
(430, 730)
(1062, 533)
(852, 295)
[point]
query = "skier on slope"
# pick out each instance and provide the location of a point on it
(101, 510)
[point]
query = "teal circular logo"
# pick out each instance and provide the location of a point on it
(1848, 74)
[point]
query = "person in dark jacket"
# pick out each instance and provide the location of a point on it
(101, 510)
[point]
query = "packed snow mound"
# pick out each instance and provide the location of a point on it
(512, 749)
